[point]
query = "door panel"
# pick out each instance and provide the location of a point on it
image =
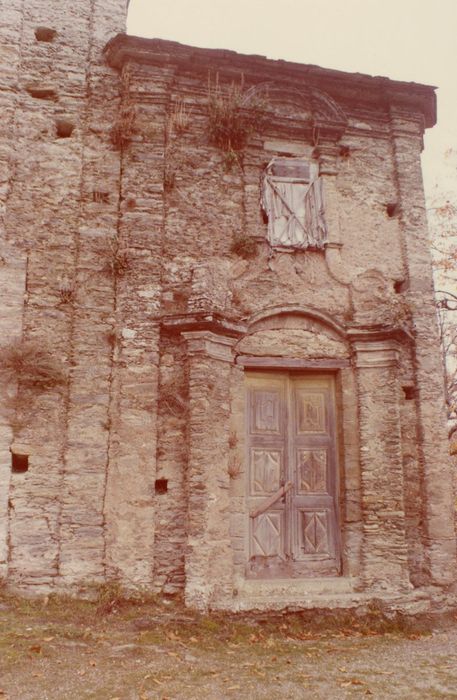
(292, 441)
(312, 471)
(267, 535)
(314, 532)
(266, 411)
(310, 411)
(267, 466)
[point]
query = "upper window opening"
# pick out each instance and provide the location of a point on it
(293, 203)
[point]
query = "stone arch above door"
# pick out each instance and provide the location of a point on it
(294, 332)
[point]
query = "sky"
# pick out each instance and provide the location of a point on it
(410, 40)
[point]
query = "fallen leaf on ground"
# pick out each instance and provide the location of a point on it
(352, 681)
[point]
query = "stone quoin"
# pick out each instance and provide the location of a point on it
(220, 366)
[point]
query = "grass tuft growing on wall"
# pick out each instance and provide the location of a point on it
(244, 246)
(124, 127)
(31, 364)
(234, 114)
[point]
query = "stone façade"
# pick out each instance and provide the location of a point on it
(118, 222)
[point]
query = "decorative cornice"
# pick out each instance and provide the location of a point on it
(377, 346)
(381, 332)
(377, 94)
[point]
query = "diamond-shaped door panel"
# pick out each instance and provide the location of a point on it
(312, 471)
(265, 471)
(315, 534)
(266, 535)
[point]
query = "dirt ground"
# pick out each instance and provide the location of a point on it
(112, 649)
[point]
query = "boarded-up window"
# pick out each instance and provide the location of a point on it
(292, 199)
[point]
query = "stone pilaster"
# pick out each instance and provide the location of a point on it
(209, 556)
(130, 495)
(433, 446)
(384, 552)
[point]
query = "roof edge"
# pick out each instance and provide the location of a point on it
(410, 96)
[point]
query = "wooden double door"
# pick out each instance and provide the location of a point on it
(292, 476)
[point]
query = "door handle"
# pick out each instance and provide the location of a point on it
(271, 500)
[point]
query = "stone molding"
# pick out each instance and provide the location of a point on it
(204, 321)
(206, 343)
(376, 353)
(327, 155)
(277, 363)
(295, 310)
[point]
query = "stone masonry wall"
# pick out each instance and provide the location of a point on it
(55, 151)
(363, 281)
(120, 230)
